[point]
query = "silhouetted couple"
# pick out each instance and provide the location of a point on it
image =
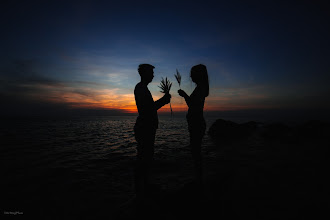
(147, 123)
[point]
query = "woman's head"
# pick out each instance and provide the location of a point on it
(199, 76)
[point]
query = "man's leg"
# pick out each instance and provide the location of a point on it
(145, 151)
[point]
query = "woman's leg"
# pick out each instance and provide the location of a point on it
(195, 146)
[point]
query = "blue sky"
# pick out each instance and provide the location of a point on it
(85, 54)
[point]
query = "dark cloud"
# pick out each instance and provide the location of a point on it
(23, 92)
(20, 73)
(21, 80)
(90, 83)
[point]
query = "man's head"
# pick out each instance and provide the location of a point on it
(146, 72)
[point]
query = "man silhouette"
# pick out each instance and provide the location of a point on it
(145, 127)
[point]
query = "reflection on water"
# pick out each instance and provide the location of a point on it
(78, 143)
(85, 138)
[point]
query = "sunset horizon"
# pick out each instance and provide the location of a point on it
(59, 57)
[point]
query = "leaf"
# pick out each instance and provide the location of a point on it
(178, 77)
(165, 85)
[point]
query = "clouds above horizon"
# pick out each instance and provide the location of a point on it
(24, 83)
(86, 54)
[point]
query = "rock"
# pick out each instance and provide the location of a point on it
(276, 131)
(313, 130)
(251, 125)
(223, 130)
(228, 130)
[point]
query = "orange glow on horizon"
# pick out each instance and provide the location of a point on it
(115, 99)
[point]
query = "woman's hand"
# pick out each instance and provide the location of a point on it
(182, 93)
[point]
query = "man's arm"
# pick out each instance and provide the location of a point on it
(162, 101)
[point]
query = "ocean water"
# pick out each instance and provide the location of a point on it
(74, 168)
(82, 158)
(70, 140)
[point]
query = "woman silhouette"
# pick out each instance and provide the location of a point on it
(195, 117)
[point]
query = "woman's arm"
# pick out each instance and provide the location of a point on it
(185, 96)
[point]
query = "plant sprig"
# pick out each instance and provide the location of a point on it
(165, 86)
(178, 77)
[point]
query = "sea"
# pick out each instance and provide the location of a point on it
(47, 160)
(72, 163)
(76, 140)
(79, 166)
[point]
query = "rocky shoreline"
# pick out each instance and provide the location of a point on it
(231, 131)
(261, 171)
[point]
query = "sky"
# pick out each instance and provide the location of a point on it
(82, 56)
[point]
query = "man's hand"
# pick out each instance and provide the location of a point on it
(167, 97)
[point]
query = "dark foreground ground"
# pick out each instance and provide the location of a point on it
(252, 171)
(266, 172)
